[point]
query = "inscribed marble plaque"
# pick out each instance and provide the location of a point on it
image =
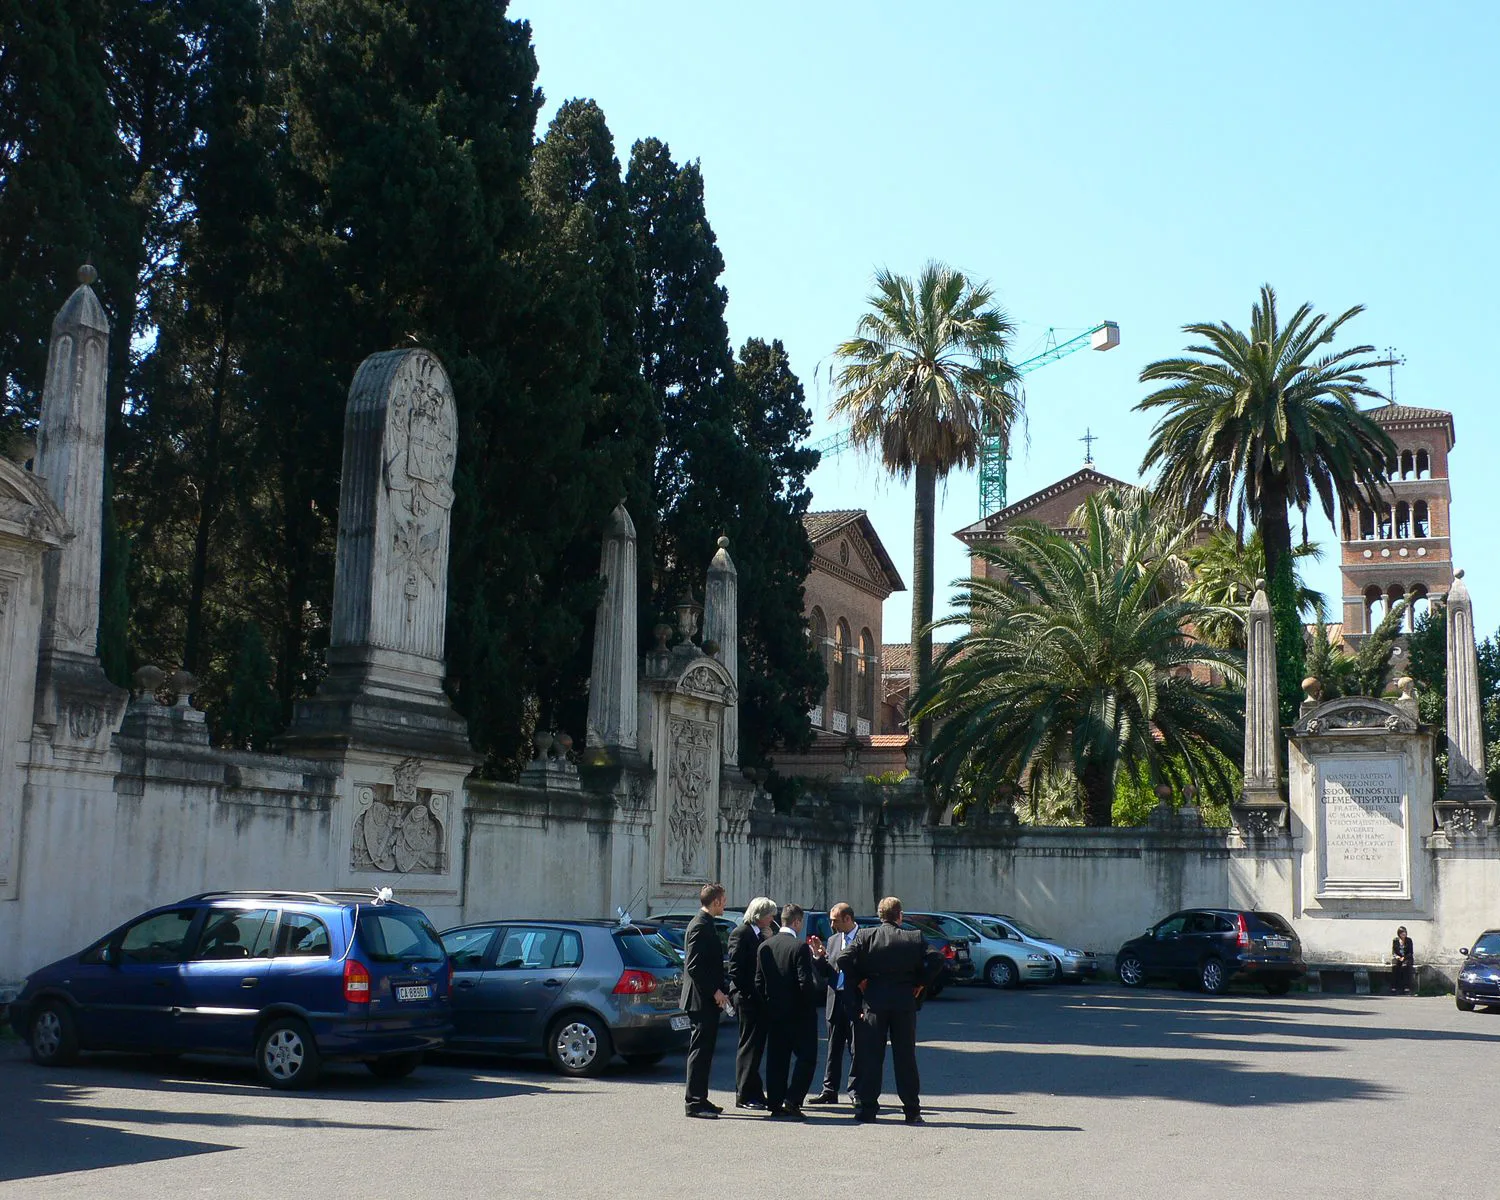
(1362, 827)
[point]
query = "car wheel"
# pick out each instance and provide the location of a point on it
(644, 1060)
(394, 1066)
(1212, 976)
(1000, 972)
(1463, 1006)
(578, 1044)
(1130, 970)
(53, 1036)
(286, 1057)
(1278, 987)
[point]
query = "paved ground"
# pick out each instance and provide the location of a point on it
(1037, 1093)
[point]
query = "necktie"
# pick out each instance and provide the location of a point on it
(838, 983)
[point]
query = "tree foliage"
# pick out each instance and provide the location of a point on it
(1224, 572)
(1073, 667)
(1255, 423)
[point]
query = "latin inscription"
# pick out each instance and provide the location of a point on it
(1362, 826)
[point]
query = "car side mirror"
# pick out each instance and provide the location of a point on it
(107, 956)
(1464, 950)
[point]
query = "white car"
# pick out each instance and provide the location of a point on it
(999, 960)
(1072, 965)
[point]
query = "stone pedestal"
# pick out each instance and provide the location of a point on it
(1361, 803)
(384, 687)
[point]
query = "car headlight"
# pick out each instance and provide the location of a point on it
(1072, 953)
(1039, 958)
(1468, 976)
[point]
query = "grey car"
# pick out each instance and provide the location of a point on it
(579, 992)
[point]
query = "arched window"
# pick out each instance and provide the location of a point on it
(1394, 593)
(1374, 607)
(1385, 524)
(825, 652)
(1424, 464)
(1403, 520)
(1366, 523)
(1408, 469)
(868, 670)
(1420, 606)
(1422, 524)
(842, 665)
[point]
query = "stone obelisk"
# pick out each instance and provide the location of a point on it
(1261, 808)
(613, 681)
(74, 699)
(1466, 759)
(721, 625)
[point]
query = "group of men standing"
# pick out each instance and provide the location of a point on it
(867, 982)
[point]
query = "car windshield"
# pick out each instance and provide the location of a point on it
(1022, 928)
(641, 949)
(1488, 946)
(398, 935)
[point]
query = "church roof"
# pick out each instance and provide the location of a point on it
(1409, 416)
(822, 526)
(1087, 479)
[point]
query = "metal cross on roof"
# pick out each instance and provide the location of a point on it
(1088, 439)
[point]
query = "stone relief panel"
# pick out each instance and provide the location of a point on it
(400, 827)
(693, 756)
(419, 452)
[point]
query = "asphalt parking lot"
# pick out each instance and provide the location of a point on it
(1044, 1092)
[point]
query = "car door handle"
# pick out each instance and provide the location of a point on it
(249, 981)
(464, 983)
(552, 983)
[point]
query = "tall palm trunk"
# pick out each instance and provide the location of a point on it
(1281, 587)
(1098, 795)
(921, 605)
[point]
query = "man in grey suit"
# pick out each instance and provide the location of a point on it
(892, 967)
(840, 1010)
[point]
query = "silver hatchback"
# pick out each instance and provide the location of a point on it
(579, 992)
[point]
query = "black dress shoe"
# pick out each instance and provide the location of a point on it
(823, 1098)
(861, 1117)
(716, 1109)
(915, 1119)
(793, 1112)
(750, 1104)
(704, 1113)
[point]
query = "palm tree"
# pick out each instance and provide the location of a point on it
(1257, 423)
(1224, 571)
(1074, 666)
(923, 378)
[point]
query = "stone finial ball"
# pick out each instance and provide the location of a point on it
(1260, 585)
(1312, 686)
(1458, 574)
(87, 274)
(724, 545)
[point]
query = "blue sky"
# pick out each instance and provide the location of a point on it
(1150, 164)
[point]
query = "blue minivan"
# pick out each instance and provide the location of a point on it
(291, 979)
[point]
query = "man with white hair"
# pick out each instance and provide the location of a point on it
(744, 943)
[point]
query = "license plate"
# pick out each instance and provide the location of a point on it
(414, 991)
(1278, 943)
(961, 952)
(680, 1023)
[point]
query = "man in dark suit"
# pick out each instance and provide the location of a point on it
(840, 1009)
(744, 942)
(703, 996)
(791, 976)
(892, 967)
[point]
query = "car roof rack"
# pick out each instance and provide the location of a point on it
(325, 897)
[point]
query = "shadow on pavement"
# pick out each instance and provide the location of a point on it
(69, 1119)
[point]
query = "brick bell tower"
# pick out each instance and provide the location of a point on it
(1403, 544)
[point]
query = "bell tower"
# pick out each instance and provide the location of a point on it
(1402, 545)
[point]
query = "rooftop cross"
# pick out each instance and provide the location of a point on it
(1394, 360)
(1088, 439)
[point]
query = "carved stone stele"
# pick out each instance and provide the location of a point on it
(1262, 808)
(613, 682)
(390, 602)
(1466, 755)
(721, 627)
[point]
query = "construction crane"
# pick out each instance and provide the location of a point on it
(993, 454)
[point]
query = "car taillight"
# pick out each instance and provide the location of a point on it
(356, 982)
(949, 951)
(635, 983)
(1243, 939)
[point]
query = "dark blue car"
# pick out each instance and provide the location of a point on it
(289, 978)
